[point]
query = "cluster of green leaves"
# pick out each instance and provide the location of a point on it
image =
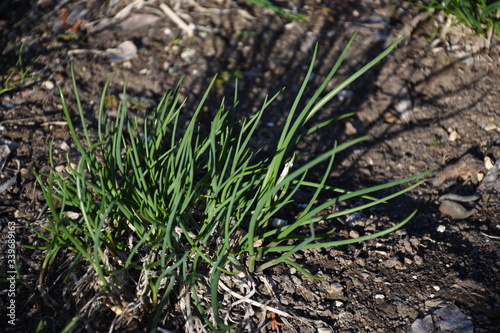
(170, 203)
(480, 15)
(19, 74)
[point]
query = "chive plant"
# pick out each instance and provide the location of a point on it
(167, 206)
(483, 16)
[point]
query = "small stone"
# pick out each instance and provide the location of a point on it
(379, 296)
(436, 288)
(441, 228)
(48, 84)
(353, 234)
(490, 127)
(454, 210)
(403, 105)
(278, 223)
(339, 304)
(453, 136)
(399, 267)
(488, 163)
(64, 146)
(187, 54)
(344, 94)
(336, 287)
(480, 176)
(296, 280)
(124, 52)
(73, 215)
(350, 129)
(389, 117)
(324, 330)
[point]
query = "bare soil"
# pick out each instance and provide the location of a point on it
(434, 103)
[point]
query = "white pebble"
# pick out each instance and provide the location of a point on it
(48, 84)
(488, 163)
(278, 223)
(339, 304)
(453, 136)
(64, 146)
(436, 288)
(379, 296)
(490, 127)
(441, 228)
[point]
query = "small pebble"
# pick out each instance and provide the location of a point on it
(403, 105)
(436, 288)
(488, 163)
(339, 304)
(187, 54)
(490, 127)
(324, 330)
(296, 280)
(278, 223)
(336, 287)
(389, 117)
(480, 176)
(350, 129)
(73, 215)
(453, 136)
(454, 210)
(379, 296)
(48, 85)
(64, 146)
(441, 228)
(344, 94)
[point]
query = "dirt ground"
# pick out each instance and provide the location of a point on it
(434, 103)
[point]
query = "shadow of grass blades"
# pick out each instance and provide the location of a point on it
(168, 207)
